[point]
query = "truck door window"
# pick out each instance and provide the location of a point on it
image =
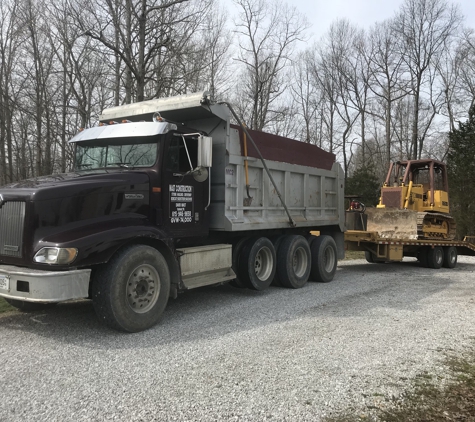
(177, 160)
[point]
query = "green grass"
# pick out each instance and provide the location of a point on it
(4, 306)
(426, 401)
(354, 255)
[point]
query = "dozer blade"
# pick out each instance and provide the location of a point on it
(392, 223)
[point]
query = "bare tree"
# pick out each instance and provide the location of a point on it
(267, 35)
(338, 77)
(9, 44)
(217, 41)
(387, 81)
(137, 31)
(305, 95)
(466, 68)
(423, 28)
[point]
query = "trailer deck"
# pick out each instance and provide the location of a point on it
(388, 249)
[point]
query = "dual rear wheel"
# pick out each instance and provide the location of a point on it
(288, 260)
(438, 257)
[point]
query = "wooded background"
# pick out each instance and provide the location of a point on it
(394, 91)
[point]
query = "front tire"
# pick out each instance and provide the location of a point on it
(131, 292)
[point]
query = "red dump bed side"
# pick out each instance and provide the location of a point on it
(278, 148)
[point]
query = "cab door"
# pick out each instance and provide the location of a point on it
(185, 189)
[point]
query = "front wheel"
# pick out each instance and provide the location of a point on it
(131, 292)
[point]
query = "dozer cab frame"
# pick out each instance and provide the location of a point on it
(419, 185)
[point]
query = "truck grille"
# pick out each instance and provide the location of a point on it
(12, 217)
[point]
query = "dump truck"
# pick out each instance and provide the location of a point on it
(165, 196)
(412, 218)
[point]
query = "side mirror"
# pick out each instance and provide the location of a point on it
(205, 151)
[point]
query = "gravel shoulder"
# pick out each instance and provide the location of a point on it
(229, 354)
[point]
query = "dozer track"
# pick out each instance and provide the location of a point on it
(435, 226)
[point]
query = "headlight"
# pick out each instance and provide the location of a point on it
(56, 255)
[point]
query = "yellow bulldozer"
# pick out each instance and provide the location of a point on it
(414, 202)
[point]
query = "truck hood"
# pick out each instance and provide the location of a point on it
(73, 184)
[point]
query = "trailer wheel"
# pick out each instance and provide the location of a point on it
(422, 256)
(294, 261)
(324, 259)
(257, 263)
(24, 306)
(450, 257)
(131, 292)
(435, 257)
(371, 258)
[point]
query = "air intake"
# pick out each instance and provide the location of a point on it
(12, 217)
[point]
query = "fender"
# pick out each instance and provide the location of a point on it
(97, 243)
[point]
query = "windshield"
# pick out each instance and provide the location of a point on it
(113, 153)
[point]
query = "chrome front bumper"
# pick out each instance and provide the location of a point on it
(43, 285)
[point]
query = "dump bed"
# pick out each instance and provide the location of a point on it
(308, 179)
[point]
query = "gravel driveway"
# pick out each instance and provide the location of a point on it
(228, 354)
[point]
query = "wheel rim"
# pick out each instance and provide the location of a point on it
(439, 256)
(263, 264)
(143, 288)
(452, 256)
(329, 259)
(300, 262)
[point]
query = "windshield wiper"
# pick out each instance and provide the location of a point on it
(123, 165)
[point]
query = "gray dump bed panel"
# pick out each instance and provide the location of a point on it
(313, 196)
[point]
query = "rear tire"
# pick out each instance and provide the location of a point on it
(237, 248)
(24, 306)
(435, 257)
(294, 262)
(277, 242)
(324, 259)
(257, 263)
(131, 292)
(450, 257)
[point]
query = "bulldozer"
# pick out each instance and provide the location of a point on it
(414, 203)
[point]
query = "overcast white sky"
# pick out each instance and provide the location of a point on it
(321, 13)
(362, 12)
